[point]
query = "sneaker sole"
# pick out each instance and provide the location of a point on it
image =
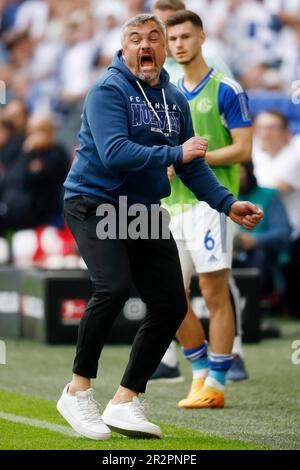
(116, 427)
(174, 380)
(64, 413)
(136, 434)
(199, 407)
(238, 379)
(194, 405)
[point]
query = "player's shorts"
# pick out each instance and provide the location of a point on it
(204, 239)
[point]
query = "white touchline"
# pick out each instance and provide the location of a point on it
(37, 423)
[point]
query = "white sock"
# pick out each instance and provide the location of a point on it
(237, 348)
(211, 382)
(170, 357)
(200, 373)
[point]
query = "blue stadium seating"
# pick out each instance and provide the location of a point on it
(264, 100)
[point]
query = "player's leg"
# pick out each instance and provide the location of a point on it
(168, 371)
(238, 369)
(211, 250)
(190, 334)
(214, 288)
(191, 337)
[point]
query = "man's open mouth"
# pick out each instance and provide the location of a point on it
(146, 60)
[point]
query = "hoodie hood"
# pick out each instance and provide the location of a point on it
(119, 64)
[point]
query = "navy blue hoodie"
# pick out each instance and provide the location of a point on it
(127, 141)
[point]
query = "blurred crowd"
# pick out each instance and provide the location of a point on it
(44, 43)
(50, 53)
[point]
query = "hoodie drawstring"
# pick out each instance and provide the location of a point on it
(151, 107)
(166, 108)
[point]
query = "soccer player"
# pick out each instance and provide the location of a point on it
(204, 238)
(163, 9)
(135, 124)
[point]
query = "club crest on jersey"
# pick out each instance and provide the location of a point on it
(204, 105)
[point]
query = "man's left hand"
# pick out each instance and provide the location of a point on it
(246, 214)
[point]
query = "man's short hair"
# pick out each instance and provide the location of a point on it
(182, 16)
(164, 5)
(142, 18)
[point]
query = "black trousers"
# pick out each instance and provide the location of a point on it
(153, 266)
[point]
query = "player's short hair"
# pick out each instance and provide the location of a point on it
(182, 16)
(282, 117)
(140, 19)
(164, 5)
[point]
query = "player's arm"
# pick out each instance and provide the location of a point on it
(233, 107)
(240, 151)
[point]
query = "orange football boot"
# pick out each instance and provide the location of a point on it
(196, 386)
(206, 397)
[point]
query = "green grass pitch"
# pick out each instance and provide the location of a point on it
(261, 413)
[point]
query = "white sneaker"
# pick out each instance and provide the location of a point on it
(82, 413)
(129, 419)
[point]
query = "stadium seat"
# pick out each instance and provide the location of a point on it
(265, 100)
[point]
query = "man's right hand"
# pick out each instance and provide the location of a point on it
(194, 148)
